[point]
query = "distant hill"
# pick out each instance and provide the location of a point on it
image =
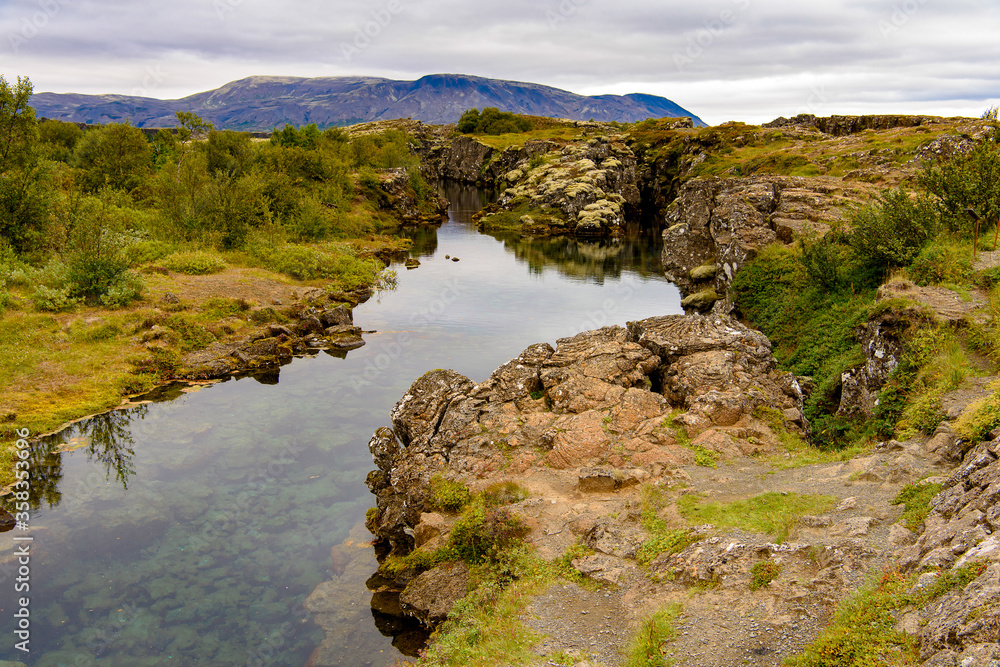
(260, 103)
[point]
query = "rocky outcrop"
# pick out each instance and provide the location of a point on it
(839, 126)
(600, 398)
(587, 188)
(321, 321)
(715, 226)
(961, 628)
(396, 194)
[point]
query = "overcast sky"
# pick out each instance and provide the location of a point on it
(749, 60)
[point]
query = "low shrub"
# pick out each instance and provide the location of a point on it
(196, 263)
(762, 573)
(448, 495)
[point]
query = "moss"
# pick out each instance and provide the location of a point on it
(762, 573)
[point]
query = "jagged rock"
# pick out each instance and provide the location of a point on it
(724, 222)
(418, 415)
(433, 593)
(842, 125)
(603, 568)
(614, 538)
(965, 618)
(882, 340)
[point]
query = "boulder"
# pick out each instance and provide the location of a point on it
(433, 593)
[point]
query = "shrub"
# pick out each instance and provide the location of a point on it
(891, 231)
(53, 299)
(481, 534)
(448, 495)
(143, 252)
(492, 121)
(968, 181)
(195, 263)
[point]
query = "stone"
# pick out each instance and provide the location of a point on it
(855, 527)
(603, 568)
(433, 593)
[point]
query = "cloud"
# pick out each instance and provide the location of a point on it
(747, 59)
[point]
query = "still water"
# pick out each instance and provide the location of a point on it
(191, 529)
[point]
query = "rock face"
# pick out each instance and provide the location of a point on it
(600, 398)
(961, 628)
(843, 125)
(582, 189)
(398, 196)
(716, 225)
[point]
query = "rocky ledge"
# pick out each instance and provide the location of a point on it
(637, 400)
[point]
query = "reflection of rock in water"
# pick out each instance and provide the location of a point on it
(579, 258)
(408, 635)
(464, 199)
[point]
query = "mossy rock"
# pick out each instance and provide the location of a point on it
(700, 300)
(703, 272)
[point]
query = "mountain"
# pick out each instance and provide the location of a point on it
(260, 103)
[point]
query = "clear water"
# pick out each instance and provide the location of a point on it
(191, 529)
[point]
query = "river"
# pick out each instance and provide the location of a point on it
(189, 529)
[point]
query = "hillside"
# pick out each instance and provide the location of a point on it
(260, 103)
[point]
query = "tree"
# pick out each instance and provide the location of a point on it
(25, 191)
(116, 156)
(18, 126)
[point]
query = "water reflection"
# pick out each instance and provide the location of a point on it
(195, 527)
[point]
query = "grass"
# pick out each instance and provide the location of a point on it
(916, 499)
(770, 513)
(874, 609)
(558, 133)
(663, 539)
(649, 646)
(54, 368)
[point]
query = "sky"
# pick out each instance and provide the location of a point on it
(747, 60)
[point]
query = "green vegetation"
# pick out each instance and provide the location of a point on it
(762, 573)
(448, 495)
(649, 646)
(981, 417)
(916, 499)
(91, 219)
(492, 121)
(196, 263)
(770, 513)
(663, 539)
(874, 608)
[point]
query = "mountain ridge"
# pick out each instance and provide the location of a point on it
(264, 102)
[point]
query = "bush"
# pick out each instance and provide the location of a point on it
(892, 231)
(53, 299)
(942, 262)
(481, 534)
(143, 252)
(448, 495)
(197, 263)
(968, 181)
(492, 121)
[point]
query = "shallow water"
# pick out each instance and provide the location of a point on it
(190, 530)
